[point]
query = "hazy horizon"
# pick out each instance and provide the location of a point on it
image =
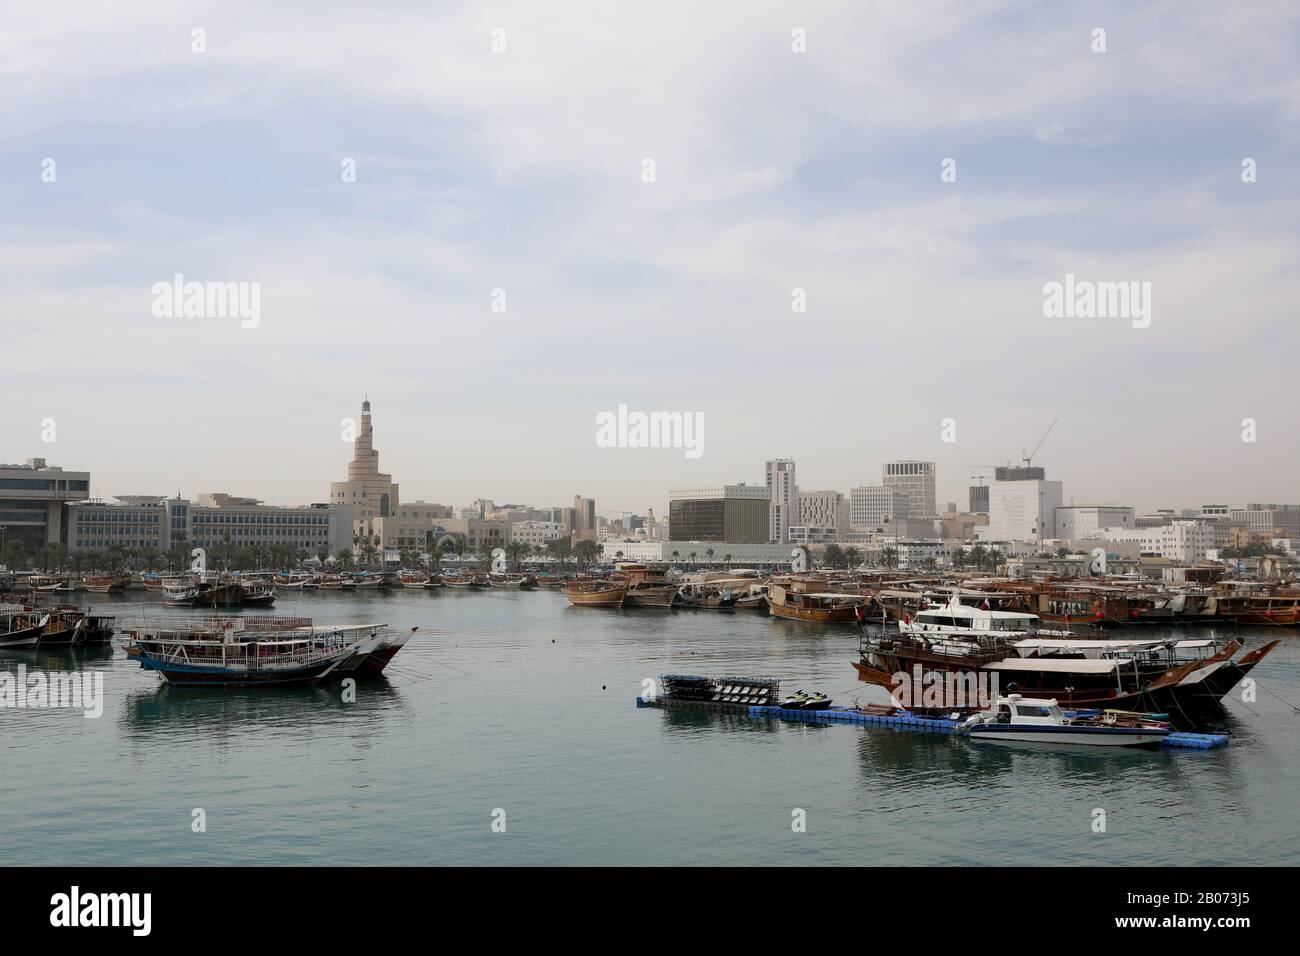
(522, 169)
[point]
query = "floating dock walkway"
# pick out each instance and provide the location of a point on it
(904, 721)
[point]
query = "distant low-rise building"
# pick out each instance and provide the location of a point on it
(34, 499)
(738, 513)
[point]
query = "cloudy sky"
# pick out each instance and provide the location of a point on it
(521, 169)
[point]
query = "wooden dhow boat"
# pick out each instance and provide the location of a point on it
(1171, 676)
(21, 626)
(260, 651)
(106, 583)
(814, 607)
(595, 593)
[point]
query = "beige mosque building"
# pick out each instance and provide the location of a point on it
(377, 512)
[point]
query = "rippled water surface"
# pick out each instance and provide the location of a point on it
(516, 701)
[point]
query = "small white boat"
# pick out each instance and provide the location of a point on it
(1016, 719)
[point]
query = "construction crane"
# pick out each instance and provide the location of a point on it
(981, 477)
(1028, 459)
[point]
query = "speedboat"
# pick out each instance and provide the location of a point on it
(1032, 720)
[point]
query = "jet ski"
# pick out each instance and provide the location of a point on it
(817, 702)
(796, 701)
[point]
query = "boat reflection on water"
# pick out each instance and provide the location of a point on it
(56, 658)
(687, 722)
(240, 714)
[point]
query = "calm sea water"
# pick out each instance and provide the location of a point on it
(518, 702)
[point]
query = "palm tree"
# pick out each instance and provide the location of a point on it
(516, 551)
(677, 555)
(979, 556)
(833, 556)
(587, 552)
(852, 557)
(890, 557)
(960, 557)
(344, 558)
(709, 554)
(726, 559)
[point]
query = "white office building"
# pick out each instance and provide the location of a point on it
(1074, 522)
(1185, 542)
(1022, 509)
(877, 507)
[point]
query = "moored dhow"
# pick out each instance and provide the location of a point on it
(813, 606)
(106, 583)
(260, 651)
(20, 626)
(1184, 677)
(595, 593)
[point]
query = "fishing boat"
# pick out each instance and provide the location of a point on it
(467, 582)
(753, 598)
(253, 651)
(152, 582)
(1019, 719)
(331, 582)
(234, 662)
(106, 583)
(1187, 677)
(710, 597)
(646, 586)
(48, 583)
(389, 644)
(817, 607)
(20, 626)
(256, 593)
(512, 582)
(365, 581)
(414, 580)
(64, 627)
(595, 593)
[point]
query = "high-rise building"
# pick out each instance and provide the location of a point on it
(916, 480)
(584, 518)
(783, 505)
(1022, 508)
(979, 499)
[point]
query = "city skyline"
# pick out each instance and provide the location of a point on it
(355, 425)
(380, 212)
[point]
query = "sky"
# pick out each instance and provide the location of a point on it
(795, 146)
